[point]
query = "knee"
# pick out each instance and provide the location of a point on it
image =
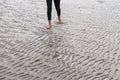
(49, 9)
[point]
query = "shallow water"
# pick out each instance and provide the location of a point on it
(85, 47)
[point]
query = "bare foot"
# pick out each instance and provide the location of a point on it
(60, 22)
(49, 27)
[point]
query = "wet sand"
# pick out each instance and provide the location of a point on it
(85, 47)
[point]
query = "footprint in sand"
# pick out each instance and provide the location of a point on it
(101, 1)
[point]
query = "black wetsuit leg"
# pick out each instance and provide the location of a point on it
(57, 6)
(49, 8)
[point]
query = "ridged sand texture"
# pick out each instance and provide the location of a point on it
(85, 47)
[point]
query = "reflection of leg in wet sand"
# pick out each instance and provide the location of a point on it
(52, 43)
(49, 11)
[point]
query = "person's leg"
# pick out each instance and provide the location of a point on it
(57, 6)
(49, 10)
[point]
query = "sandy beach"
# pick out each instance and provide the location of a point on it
(85, 47)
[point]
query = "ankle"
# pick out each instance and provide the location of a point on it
(49, 22)
(59, 18)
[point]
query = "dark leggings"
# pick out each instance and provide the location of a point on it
(49, 8)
